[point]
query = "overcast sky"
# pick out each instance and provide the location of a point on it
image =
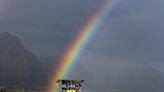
(46, 26)
(134, 30)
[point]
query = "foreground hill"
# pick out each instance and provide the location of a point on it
(18, 66)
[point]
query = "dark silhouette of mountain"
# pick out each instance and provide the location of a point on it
(18, 66)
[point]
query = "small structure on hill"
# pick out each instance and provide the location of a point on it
(70, 85)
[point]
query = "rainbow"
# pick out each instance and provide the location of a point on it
(75, 50)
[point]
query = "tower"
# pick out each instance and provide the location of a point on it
(70, 85)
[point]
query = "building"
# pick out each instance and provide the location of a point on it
(70, 85)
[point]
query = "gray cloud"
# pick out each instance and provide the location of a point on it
(134, 33)
(46, 25)
(135, 28)
(138, 31)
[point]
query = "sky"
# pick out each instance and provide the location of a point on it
(47, 27)
(134, 32)
(135, 28)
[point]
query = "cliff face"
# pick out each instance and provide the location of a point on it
(18, 66)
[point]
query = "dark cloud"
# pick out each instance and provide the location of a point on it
(137, 32)
(46, 25)
(134, 33)
(135, 28)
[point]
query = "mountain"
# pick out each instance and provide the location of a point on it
(21, 68)
(18, 66)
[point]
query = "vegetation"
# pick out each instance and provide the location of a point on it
(5, 89)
